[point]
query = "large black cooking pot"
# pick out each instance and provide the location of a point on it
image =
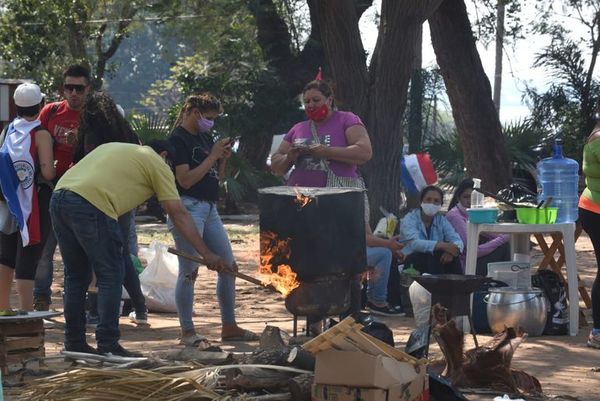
(327, 235)
(324, 296)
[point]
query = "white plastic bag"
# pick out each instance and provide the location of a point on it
(159, 278)
(387, 225)
(420, 299)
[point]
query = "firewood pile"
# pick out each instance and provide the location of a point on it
(276, 371)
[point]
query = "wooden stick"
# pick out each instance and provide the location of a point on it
(226, 270)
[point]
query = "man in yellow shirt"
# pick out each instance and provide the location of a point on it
(85, 206)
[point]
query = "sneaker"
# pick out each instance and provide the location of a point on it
(141, 319)
(384, 310)
(119, 351)
(41, 304)
(91, 321)
(594, 341)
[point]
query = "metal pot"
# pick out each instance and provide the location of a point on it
(509, 307)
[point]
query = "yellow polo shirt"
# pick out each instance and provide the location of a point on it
(117, 177)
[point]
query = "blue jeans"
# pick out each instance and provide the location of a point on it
(213, 233)
(380, 259)
(89, 241)
(45, 270)
(131, 280)
(132, 236)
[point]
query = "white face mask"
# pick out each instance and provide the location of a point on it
(430, 209)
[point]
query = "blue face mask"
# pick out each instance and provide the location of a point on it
(204, 124)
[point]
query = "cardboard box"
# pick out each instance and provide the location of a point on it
(327, 392)
(358, 369)
(417, 390)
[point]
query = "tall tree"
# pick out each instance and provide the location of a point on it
(567, 106)
(500, 11)
(38, 38)
(378, 91)
(470, 95)
(498, 22)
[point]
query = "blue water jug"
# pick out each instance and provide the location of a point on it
(558, 177)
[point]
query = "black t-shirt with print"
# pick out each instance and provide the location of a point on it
(192, 149)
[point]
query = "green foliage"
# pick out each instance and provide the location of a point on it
(227, 61)
(38, 39)
(485, 20)
(565, 108)
(149, 127)
(522, 140)
(447, 156)
(34, 37)
(242, 179)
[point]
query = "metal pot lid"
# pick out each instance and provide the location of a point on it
(306, 191)
(511, 290)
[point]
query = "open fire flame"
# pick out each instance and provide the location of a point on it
(272, 250)
(301, 200)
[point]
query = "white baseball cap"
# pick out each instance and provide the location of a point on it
(27, 95)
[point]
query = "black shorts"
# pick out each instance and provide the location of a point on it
(25, 259)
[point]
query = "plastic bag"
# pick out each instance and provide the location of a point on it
(517, 193)
(387, 225)
(159, 278)
(420, 299)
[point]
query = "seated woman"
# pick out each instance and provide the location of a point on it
(434, 245)
(492, 247)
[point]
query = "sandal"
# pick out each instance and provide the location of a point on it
(196, 341)
(246, 335)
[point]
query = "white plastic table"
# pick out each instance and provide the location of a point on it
(519, 243)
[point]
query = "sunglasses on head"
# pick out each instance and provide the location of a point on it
(74, 87)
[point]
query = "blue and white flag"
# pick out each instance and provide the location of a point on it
(17, 178)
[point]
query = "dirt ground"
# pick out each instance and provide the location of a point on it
(563, 365)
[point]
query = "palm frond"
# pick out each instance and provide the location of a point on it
(149, 126)
(116, 384)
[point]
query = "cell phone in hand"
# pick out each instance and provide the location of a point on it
(233, 139)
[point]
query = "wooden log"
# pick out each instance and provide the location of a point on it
(270, 397)
(272, 338)
(300, 387)
(301, 359)
(277, 356)
(198, 355)
(250, 379)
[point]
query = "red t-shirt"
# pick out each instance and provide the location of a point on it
(58, 119)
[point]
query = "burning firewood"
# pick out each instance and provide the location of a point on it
(485, 366)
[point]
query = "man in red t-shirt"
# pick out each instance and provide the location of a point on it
(61, 119)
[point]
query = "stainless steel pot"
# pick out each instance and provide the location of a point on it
(509, 307)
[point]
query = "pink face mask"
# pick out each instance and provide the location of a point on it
(204, 124)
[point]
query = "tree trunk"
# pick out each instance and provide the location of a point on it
(499, 51)
(415, 116)
(470, 94)
(378, 95)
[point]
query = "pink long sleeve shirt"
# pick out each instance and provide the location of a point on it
(457, 216)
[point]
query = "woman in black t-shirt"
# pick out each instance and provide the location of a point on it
(199, 163)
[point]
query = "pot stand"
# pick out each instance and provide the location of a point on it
(453, 291)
